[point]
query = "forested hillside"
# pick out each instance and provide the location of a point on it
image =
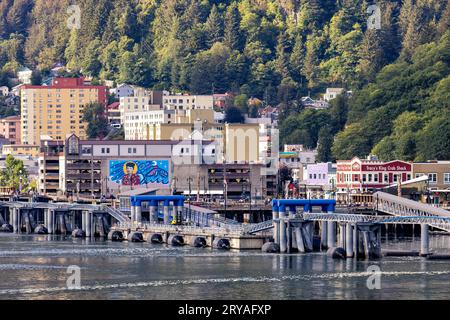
(276, 50)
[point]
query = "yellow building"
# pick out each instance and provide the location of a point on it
(237, 142)
(56, 110)
(21, 150)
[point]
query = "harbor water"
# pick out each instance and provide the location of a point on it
(35, 267)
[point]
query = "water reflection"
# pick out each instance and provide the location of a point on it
(145, 271)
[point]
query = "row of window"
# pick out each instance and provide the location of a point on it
(317, 176)
(433, 177)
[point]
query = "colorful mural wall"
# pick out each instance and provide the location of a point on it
(138, 173)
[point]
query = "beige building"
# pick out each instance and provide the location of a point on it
(185, 101)
(56, 110)
(10, 129)
(23, 150)
(438, 174)
(238, 143)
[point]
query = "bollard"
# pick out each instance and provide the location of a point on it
(349, 240)
(424, 240)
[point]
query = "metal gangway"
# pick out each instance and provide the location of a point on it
(117, 214)
(400, 211)
(401, 207)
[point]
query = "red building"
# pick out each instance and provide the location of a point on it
(368, 175)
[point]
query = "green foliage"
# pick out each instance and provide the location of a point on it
(14, 175)
(241, 102)
(233, 115)
(275, 51)
(95, 116)
(325, 143)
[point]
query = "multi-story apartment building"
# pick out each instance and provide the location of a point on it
(50, 174)
(10, 129)
(94, 168)
(56, 110)
(142, 100)
(185, 102)
(139, 125)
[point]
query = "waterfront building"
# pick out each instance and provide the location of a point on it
(10, 129)
(296, 157)
(320, 180)
(51, 154)
(92, 168)
(368, 175)
(56, 110)
(438, 184)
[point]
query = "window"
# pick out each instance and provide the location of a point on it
(386, 178)
(364, 177)
(447, 178)
(432, 178)
(395, 177)
(105, 150)
(370, 177)
(132, 150)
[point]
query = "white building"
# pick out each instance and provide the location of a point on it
(24, 75)
(4, 91)
(141, 100)
(136, 124)
(122, 90)
(332, 93)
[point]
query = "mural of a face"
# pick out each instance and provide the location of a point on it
(130, 168)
